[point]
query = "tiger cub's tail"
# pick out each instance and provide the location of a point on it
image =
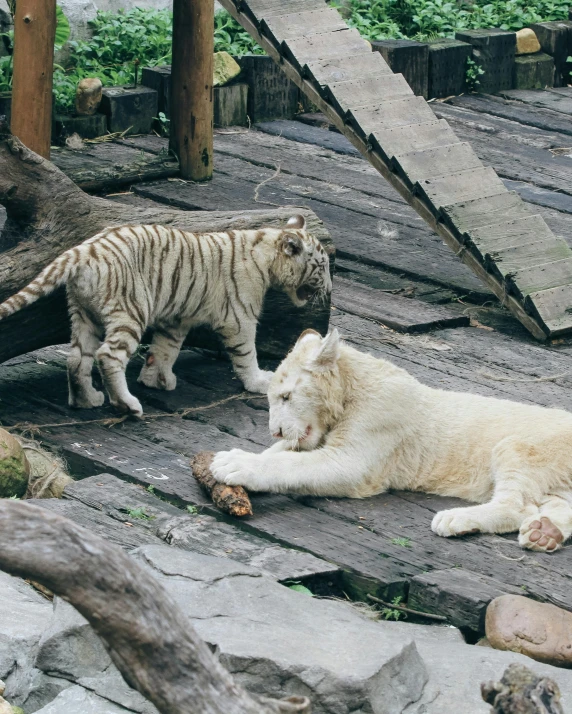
(51, 277)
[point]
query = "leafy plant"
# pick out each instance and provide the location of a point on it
(404, 542)
(150, 489)
(230, 37)
(472, 74)
(139, 513)
(299, 588)
(164, 123)
(390, 613)
(427, 19)
(193, 510)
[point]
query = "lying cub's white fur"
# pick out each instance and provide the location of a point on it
(353, 425)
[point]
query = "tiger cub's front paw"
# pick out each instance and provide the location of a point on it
(258, 383)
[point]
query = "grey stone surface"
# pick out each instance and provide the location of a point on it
(23, 617)
(77, 700)
(43, 689)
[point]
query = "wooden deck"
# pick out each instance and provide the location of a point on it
(399, 293)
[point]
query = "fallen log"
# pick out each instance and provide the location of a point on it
(47, 214)
(149, 639)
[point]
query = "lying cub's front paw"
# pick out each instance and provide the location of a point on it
(238, 468)
(454, 522)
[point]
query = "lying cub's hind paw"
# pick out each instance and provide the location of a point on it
(540, 535)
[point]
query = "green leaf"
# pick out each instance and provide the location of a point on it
(62, 27)
(299, 588)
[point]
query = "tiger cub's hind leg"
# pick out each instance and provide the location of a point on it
(113, 357)
(84, 343)
(157, 372)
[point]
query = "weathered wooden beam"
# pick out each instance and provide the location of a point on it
(192, 88)
(34, 34)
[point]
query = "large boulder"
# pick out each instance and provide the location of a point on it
(14, 467)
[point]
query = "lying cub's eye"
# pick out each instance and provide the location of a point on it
(286, 397)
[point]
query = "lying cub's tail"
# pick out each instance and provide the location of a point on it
(51, 277)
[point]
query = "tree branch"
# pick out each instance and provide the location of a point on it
(155, 648)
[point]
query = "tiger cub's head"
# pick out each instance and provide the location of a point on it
(301, 267)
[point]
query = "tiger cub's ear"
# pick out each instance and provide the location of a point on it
(297, 222)
(292, 244)
(307, 333)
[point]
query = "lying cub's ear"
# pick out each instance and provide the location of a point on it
(297, 222)
(292, 244)
(328, 354)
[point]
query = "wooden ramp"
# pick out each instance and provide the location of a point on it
(490, 229)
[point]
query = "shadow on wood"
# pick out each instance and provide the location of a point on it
(47, 214)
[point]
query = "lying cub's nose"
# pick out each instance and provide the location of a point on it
(278, 434)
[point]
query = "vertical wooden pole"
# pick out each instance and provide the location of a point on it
(192, 87)
(34, 35)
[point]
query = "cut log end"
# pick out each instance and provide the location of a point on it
(230, 499)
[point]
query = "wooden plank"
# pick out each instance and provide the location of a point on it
(398, 313)
(417, 165)
(397, 112)
(412, 137)
(301, 24)
(540, 196)
(120, 530)
(345, 69)
(367, 92)
(471, 215)
(541, 277)
(302, 50)
(460, 595)
(112, 499)
(304, 133)
(538, 98)
(265, 8)
(525, 114)
(505, 261)
(408, 57)
(460, 187)
(553, 307)
(508, 233)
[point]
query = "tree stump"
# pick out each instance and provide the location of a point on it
(47, 214)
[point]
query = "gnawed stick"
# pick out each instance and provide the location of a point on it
(230, 499)
(148, 636)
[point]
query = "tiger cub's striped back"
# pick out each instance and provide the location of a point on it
(124, 280)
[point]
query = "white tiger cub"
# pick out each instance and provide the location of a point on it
(124, 280)
(353, 425)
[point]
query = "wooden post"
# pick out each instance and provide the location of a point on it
(34, 36)
(192, 87)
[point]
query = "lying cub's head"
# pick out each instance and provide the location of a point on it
(305, 394)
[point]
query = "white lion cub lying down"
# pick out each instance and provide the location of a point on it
(353, 425)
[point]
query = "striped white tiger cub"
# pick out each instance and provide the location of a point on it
(124, 280)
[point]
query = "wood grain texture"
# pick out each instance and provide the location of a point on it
(192, 88)
(34, 32)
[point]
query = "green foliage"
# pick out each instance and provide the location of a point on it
(193, 510)
(139, 513)
(472, 74)
(299, 588)
(390, 613)
(150, 489)
(427, 19)
(62, 28)
(405, 542)
(230, 37)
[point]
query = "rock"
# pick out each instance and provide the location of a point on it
(526, 42)
(23, 618)
(14, 467)
(2, 688)
(5, 708)
(77, 700)
(88, 96)
(225, 68)
(43, 689)
(521, 690)
(69, 648)
(538, 630)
